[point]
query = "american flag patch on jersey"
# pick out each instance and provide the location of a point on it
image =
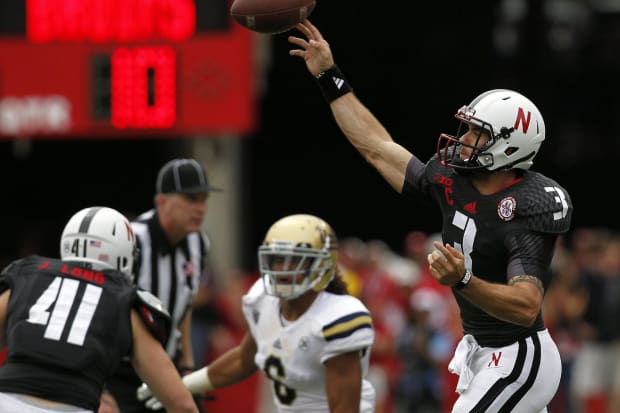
(347, 325)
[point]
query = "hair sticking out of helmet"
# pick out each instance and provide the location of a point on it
(515, 129)
(299, 253)
(100, 237)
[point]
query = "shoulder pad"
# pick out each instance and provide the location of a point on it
(22, 262)
(546, 206)
(434, 166)
(342, 316)
(154, 315)
(433, 157)
(13, 269)
(5, 282)
(10, 267)
(254, 293)
(346, 325)
(152, 302)
(145, 216)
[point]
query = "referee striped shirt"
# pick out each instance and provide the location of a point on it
(171, 272)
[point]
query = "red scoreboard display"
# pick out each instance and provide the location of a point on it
(109, 68)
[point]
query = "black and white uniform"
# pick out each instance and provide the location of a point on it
(172, 273)
(169, 272)
(504, 367)
(68, 327)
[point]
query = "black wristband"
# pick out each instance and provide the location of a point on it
(333, 84)
(464, 281)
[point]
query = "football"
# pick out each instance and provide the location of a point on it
(271, 16)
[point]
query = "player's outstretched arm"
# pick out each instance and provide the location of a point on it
(235, 365)
(231, 367)
(358, 124)
(155, 368)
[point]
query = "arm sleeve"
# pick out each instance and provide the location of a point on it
(530, 254)
(414, 176)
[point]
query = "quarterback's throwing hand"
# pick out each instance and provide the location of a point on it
(314, 49)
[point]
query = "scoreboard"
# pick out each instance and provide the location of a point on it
(110, 68)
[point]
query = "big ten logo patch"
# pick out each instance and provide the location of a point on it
(447, 183)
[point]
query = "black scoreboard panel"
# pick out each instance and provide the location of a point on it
(124, 67)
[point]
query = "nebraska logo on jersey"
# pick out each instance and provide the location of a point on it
(495, 359)
(506, 208)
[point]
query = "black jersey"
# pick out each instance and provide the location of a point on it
(511, 232)
(68, 328)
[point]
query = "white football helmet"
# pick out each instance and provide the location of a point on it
(101, 237)
(515, 126)
(299, 253)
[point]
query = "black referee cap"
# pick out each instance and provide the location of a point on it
(185, 176)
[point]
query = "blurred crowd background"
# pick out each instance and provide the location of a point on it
(414, 67)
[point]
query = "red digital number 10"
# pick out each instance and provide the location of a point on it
(143, 87)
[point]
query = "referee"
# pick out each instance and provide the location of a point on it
(172, 258)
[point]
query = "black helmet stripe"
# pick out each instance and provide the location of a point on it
(88, 218)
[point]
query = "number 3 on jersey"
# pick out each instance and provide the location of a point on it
(61, 294)
(468, 224)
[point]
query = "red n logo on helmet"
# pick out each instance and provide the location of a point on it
(521, 118)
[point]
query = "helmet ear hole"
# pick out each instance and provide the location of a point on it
(510, 150)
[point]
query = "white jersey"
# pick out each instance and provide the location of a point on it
(292, 353)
